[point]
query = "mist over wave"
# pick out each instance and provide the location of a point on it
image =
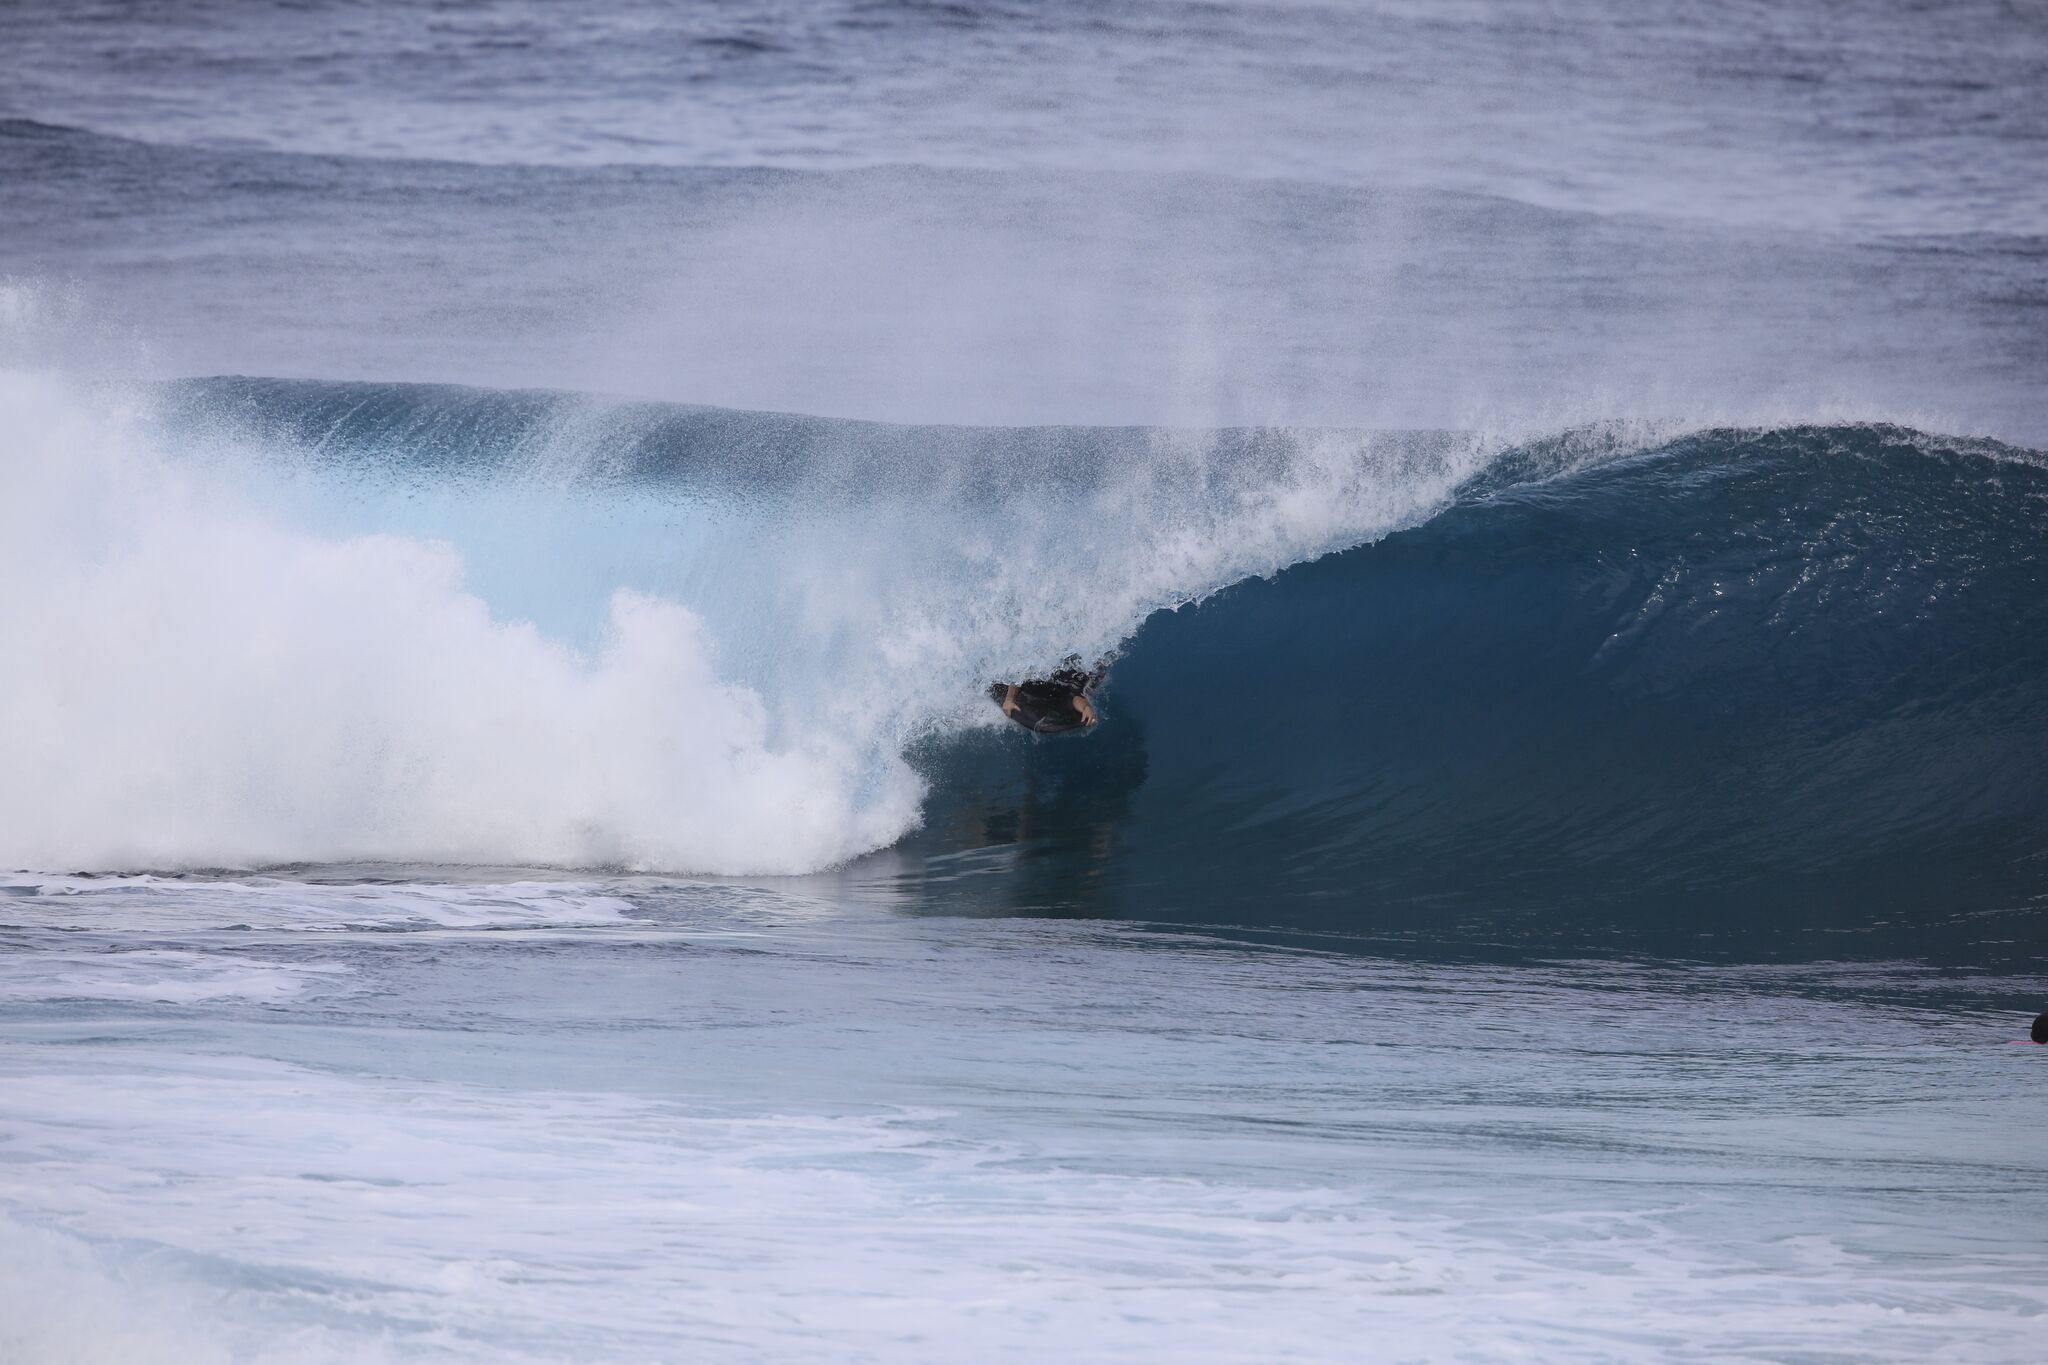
(920, 294)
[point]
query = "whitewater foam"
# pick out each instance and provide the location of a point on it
(916, 1140)
(211, 686)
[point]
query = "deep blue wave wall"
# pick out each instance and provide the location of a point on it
(1751, 693)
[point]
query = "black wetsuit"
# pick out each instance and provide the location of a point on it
(1046, 705)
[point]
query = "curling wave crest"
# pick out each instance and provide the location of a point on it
(1724, 672)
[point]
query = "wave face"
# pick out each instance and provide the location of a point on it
(1746, 691)
(1596, 688)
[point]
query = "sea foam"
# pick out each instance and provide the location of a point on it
(198, 682)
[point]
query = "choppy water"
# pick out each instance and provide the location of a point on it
(509, 518)
(630, 1119)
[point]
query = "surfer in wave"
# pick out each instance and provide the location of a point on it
(1054, 705)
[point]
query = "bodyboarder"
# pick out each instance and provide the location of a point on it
(1055, 705)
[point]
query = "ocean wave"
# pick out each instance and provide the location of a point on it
(1367, 678)
(1783, 683)
(246, 661)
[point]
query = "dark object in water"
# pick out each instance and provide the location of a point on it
(1056, 705)
(2041, 1028)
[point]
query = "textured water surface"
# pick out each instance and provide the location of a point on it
(623, 1119)
(508, 515)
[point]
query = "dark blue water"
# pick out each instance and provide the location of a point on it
(1748, 692)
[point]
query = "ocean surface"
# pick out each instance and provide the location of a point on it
(508, 514)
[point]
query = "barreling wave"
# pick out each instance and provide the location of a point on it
(288, 622)
(1392, 683)
(1746, 686)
